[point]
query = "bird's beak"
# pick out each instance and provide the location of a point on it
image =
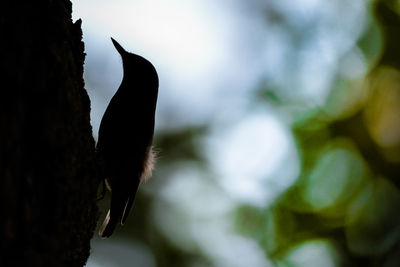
(119, 48)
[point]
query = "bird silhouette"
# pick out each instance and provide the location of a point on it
(125, 136)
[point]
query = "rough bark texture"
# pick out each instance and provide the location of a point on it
(48, 178)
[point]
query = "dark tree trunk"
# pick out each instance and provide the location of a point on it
(48, 173)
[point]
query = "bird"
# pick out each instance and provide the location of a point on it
(125, 137)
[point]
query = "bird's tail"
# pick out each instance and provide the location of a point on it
(121, 204)
(108, 226)
(110, 222)
(114, 215)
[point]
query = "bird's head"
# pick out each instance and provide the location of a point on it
(135, 64)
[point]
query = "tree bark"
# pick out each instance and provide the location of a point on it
(48, 171)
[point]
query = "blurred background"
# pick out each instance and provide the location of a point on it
(277, 131)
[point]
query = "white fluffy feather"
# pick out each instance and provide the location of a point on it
(149, 162)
